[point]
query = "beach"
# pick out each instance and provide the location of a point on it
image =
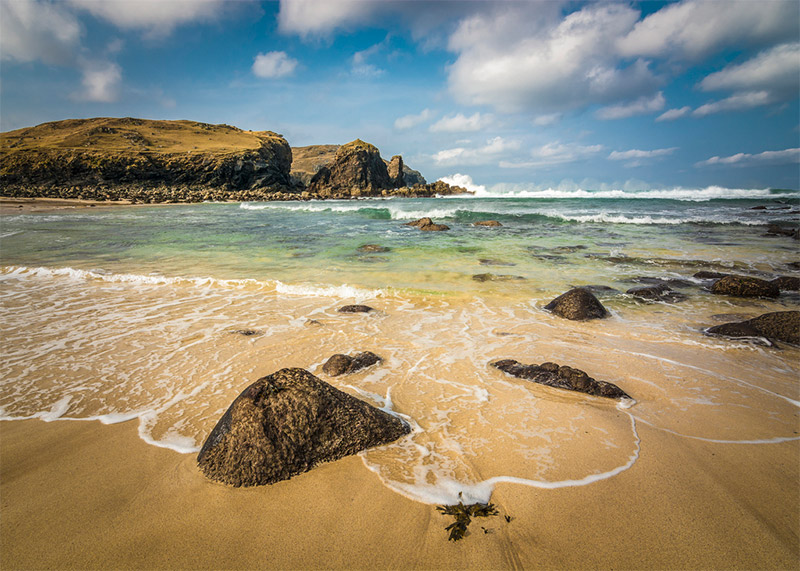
(128, 331)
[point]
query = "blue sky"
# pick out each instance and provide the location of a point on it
(524, 94)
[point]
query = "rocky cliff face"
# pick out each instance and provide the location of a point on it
(97, 156)
(396, 174)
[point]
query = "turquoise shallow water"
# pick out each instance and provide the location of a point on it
(131, 314)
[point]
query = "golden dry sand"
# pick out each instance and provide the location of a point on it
(80, 495)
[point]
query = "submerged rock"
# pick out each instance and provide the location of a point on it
(707, 275)
(743, 286)
(354, 309)
(775, 326)
(373, 248)
(487, 223)
(658, 292)
(492, 262)
(787, 283)
(560, 377)
(496, 277)
(577, 304)
(341, 364)
(287, 423)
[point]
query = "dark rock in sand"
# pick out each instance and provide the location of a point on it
(705, 275)
(787, 283)
(373, 248)
(427, 225)
(487, 223)
(561, 377)
(775, 326)
(577, 304)
(743, 286)
(658, 292)
(340, 364)
(287, 423)
(248, 332)
(354, 309)
(495, 278)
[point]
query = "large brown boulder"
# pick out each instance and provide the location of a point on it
(775, 326)
(577, 304)
(287, 423)
(560, 377)
(743, 286)
(340, 364)
(357, 169)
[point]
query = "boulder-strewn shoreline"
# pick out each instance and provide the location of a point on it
(146, 161)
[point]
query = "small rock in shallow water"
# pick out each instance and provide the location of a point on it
(373, 249)
(487, 223)
(656, 293)
(495, 277)
(577, 304)
(427, 225)
(340, 364)
(287, 423)
(743, 286)
(560, 377)
(775, 326)
(355, 309)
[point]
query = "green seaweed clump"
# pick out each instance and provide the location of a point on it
(464, 515)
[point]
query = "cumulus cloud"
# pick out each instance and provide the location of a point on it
(776, 70)
(360, 62)
(786, 156)
(38, 31)
(738, 102)
(672, 114)
(101, 81)
(460, 123)
(516, 60)
(693, 29)
(272, 65)
(555, 153)
(640, 106)
(155, 16)
(321, 18)
(410, 121)
(488, 153)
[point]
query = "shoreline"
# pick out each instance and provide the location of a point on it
(86, 495)
(12, 205)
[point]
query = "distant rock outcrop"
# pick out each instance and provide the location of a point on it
(287, 423)
(577, 304)
(357, 169)
(140, 159)
(560, 377)
(396, 171)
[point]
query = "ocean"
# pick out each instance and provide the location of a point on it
(137, 313)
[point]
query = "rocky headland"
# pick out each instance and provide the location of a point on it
(142, 160)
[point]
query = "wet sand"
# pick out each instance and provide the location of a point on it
(83, 495)
(10, 205)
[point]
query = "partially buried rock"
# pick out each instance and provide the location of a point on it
(743, 286)
(487, 223)
(561, 377)
(427, 225)
(354, 309)
(577, 304)
(659, 292)
(707, 275)
(775, 326)
(287, 423)
(340, 364)
(787, 283)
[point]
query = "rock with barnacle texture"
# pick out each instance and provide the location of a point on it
(357, 308)
(775, 326)
(340, 364)
(577, 304)
(287, 423)
(743, 286)
(560, 377)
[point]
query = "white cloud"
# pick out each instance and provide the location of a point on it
(38, 31)
(460, 123)
(481, 155)
(555, 153)
(410, 121)
(640, 106)
(693, 29)
(737, 102)
(322, 17)
(672, 114)
(361, 65)
(516, 59)
(155, 16)
(272, 65)
(101, 81)
(639, 154)
(787, 156)
(776, 70)
(547, 119)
